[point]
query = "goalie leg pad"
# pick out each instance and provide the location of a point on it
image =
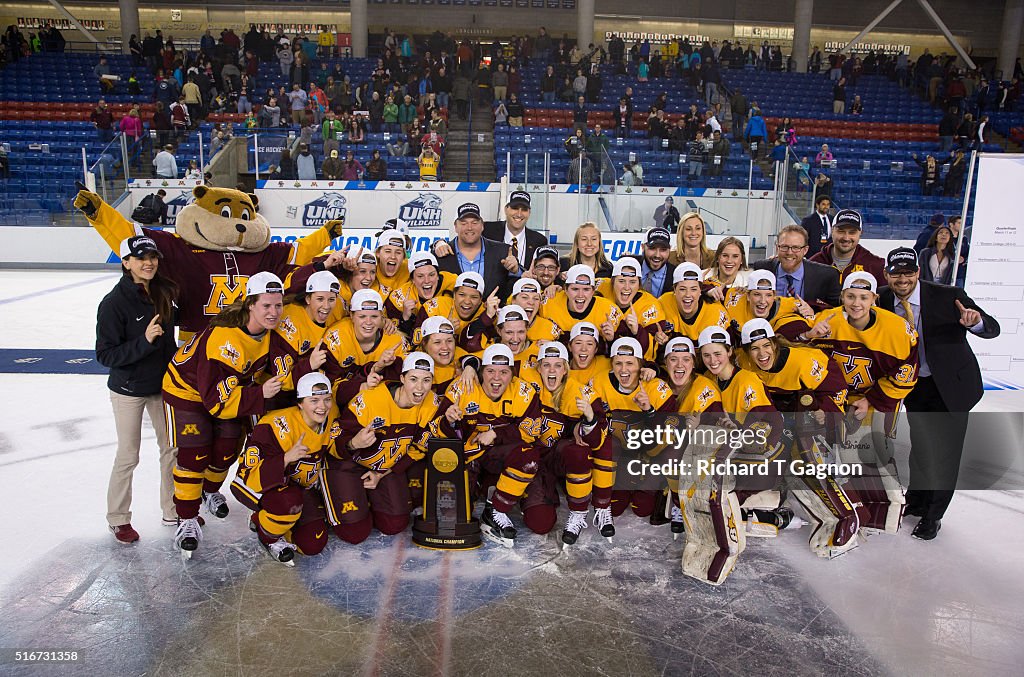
(835, 521)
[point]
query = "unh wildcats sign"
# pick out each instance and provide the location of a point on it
(328, 207)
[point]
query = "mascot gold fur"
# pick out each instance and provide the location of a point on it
(219, 241)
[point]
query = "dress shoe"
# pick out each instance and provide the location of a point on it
(926, 529)
(125, 534)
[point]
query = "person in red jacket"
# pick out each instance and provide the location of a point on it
(845, 252)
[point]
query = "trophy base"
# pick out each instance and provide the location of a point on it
(466, 536)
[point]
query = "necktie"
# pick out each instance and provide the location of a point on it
(648, 279)
(909, 312)
(515, 247)
(789, 284)
(824, 228)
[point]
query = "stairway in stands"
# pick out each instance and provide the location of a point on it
(479, 165)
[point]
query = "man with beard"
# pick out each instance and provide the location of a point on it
(845, 253)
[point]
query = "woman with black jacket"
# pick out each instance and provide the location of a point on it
(135, 339)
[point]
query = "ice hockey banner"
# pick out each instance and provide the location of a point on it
(994, 265)
(270, 147)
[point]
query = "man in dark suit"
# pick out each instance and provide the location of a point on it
(470, 251)
(948, 384)
(522, 241)
(818, 225)
(812, 284)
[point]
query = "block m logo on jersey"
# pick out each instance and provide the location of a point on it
(224, 290)
(190, 429)
(857, 370)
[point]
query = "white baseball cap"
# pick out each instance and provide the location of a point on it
(686, 272)
(313, 383)
(713, 334)
(755, 330)
(366, 256)
(420, 259)
(471, 280)
(264, 283)
(860, 280)
(366, 299)
(627, 346)
(499, 355)
(583, 329)
(579, 271)
(436, 324)
(626, 264)
(390, 237)
(323, 280)
(762, 280)
(525, 284)
(553, 349)
(511, 312)
(418, 360)
(680, 344)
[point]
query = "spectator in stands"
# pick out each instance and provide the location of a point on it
(575, 143)
(332, 167)
(667, 216)
(131, 126)
(937, 258)
(845, 252)
(356, 133)
(180, 120)
(587, 249)
(623, 118)
(931, 173)
(777, 155)
(103, 122)
(628, 178)
(597, 144)
(429, 163)
(406, 113)
(979, 140)
(285, 167)
(581, 170)
(399, 147)
(720, 148)
(194, 98)
(482, 82)
(515, 111)
(740, 108)
(839, 97)
(193, 173)
(935, 221)
(580, 113)
(165, 164)
(566, 95)
(499, 82)
(755, 133)
(697, 154)
(656, 127)
(824, 155)
(101, 72)
(305, 164)
(818, 224)
(297, 100)
(461, 88)
(954, 182)
(376, 168)
(947, 129)
(500, 114)
(352, 169)
(814, 61)
(813, 284)
(965, 132)
(432, 139)
(823, 184)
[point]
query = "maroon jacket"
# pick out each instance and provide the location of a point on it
(862, 260)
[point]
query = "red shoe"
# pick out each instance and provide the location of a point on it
(125, 533)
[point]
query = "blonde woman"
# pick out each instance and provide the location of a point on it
(692, 242)
(588, 249)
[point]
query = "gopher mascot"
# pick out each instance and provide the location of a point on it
(219, 241)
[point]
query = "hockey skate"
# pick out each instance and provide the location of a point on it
(187, 536)
(576, 523)
(216, 504)
(280, 551)
(678, 525)
(497, 526)
(603, 521)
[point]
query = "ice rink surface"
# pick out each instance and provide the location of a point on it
(953, 606)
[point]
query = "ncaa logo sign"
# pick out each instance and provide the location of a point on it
(326, 208)
(422, 212)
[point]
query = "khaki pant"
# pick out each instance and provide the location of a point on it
(838, 107)
(499, 92)
(128, 421)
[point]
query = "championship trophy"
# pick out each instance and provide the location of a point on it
(447, 522)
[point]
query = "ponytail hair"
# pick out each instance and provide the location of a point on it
(237, 314)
